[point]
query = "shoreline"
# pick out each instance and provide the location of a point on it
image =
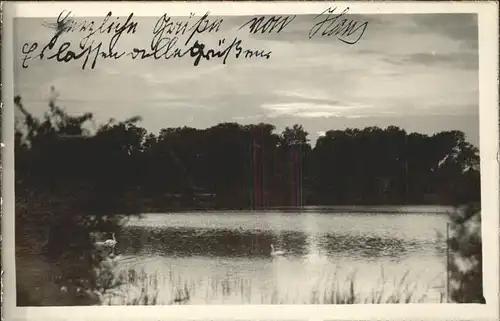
(330, 209)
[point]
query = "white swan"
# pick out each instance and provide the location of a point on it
(276, 253)
(110, 243)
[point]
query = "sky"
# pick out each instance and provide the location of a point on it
(418, 72)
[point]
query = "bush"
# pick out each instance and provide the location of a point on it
(466, 262)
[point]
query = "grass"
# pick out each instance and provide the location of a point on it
(142, 288)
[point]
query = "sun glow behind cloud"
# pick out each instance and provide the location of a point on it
(311, 110)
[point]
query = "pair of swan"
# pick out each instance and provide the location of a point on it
(111, 243)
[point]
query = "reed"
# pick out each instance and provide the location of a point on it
(142, 288)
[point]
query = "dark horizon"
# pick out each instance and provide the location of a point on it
(415, 124)
(240, 166)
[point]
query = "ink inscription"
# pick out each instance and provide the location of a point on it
(329, 24)
(177, 38)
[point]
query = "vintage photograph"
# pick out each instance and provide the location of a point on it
(328, 158)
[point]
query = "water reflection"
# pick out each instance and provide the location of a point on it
(222, 258)
(212, 242)
(181, 242)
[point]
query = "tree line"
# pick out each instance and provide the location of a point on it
(120, 166)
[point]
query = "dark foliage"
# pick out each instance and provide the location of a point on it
(466, 261)
(123, 168)
(72, 181)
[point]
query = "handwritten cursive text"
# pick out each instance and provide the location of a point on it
(176, 37)
(267, 25)
(346, 30)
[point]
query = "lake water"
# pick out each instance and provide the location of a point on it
(332, 254)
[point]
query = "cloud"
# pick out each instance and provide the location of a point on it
(458, 60)
(405, 66)
(462, 27)
(311, 110)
